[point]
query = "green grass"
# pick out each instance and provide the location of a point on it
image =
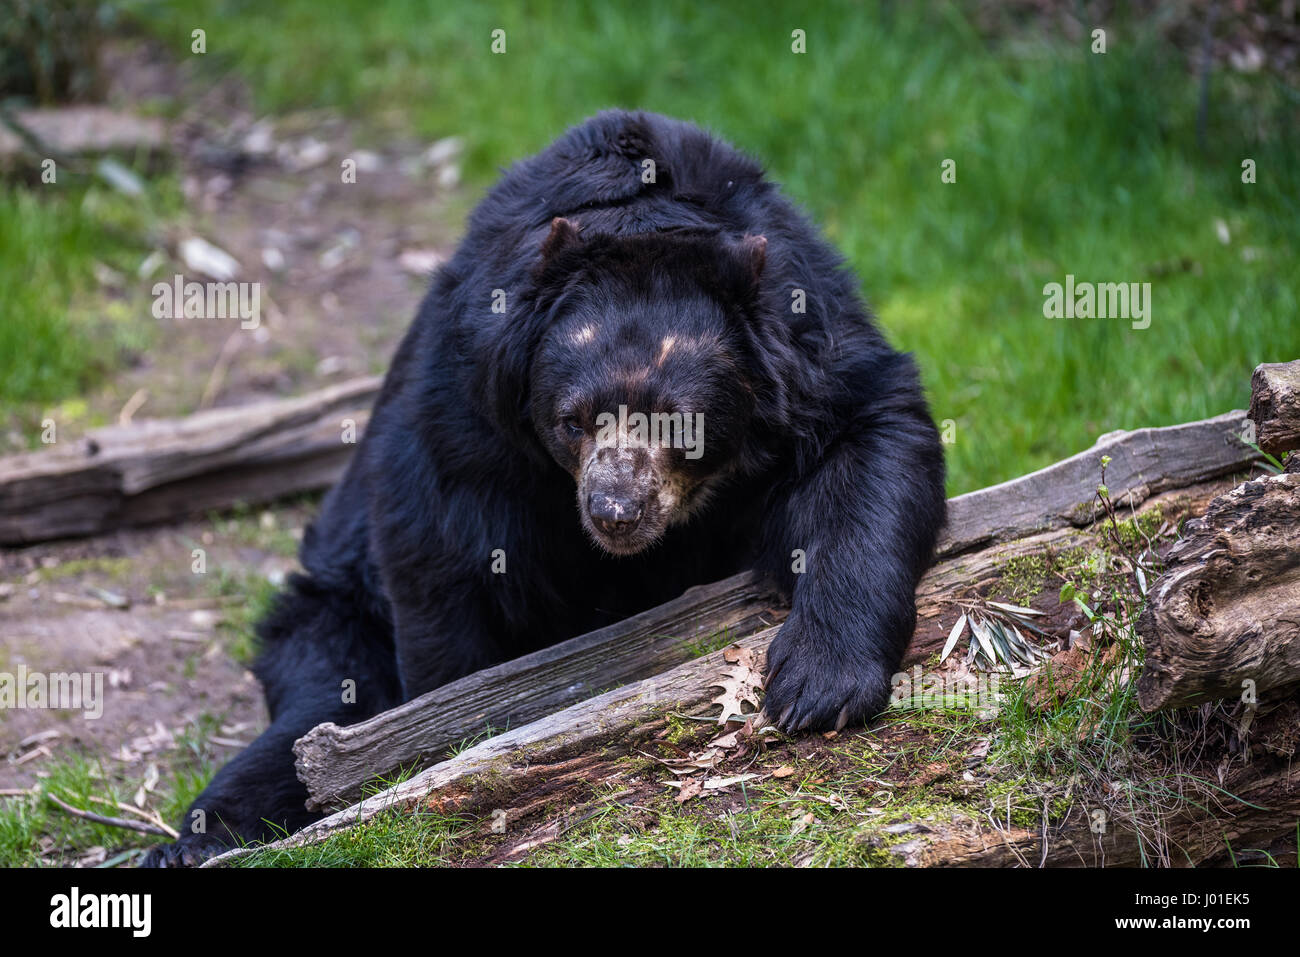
(1067, 162)
(54, 341)
(386, 840)
(237, 623)
(27, 821)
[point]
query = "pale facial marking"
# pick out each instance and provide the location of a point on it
(665, 347)
(585, 335)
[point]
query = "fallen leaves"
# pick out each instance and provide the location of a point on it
(741, 684)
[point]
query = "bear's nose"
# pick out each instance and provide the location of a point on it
(613, 514)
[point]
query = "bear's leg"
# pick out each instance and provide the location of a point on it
(321, 662)
(865, 520)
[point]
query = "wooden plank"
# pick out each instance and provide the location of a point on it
(336, 762)
(166, 469)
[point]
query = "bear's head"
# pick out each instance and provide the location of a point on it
(639, 374)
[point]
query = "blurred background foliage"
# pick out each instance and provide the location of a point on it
(1117, 167)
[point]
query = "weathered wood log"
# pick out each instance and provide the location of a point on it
(336, 762)
(565, 754)
(1143, 462)
(619, 718)
(160, 470)
(615, 722)
(1275, 406)
(1224, 617)
(979, 572)
(75, 131)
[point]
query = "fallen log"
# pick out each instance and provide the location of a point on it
(336, 762)
(1224, 618)
(161, 470)
(1255, 799)
(616, 721)
(522, 756)
(1275, 406)
(1143, 463)
(1256, 803)
(27, 137)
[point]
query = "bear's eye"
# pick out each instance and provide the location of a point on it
(571, 426)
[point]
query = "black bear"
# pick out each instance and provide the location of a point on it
(642, 370)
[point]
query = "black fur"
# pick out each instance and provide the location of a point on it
(817, 438)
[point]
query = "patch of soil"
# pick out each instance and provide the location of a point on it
(340, 266)
(165, 659)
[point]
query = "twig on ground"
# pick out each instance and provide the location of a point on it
(111, 821)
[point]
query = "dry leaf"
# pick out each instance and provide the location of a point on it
(953, 635)
(691, 787)
(784, 771)
(713, 784)
(741, 683)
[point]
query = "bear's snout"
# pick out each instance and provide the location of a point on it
(615, 514)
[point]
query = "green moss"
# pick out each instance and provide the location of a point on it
(115, 569)
(1028, 801)
(1133, 532)
(1022, 577)
(714, 641)
(682, 731)
(1081, 565)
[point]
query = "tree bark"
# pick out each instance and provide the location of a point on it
(1275, 406)
(1223, 619)
(1143, 463)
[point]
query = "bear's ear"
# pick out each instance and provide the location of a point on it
(753, 253)
(564, 233)
(742, 264)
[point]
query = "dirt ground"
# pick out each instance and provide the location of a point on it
(342, 267)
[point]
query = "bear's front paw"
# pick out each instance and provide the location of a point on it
(814, 686)
(189, 851)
